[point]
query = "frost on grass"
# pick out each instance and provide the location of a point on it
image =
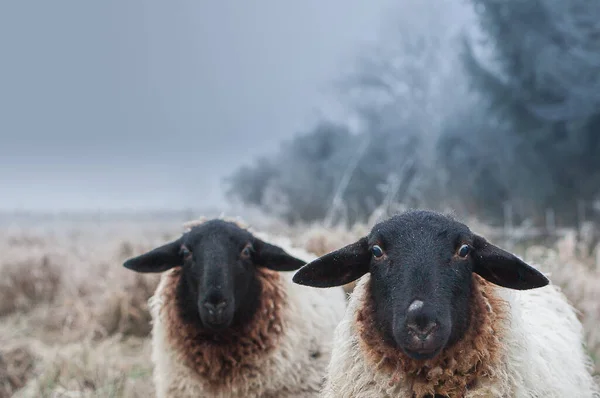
(110, 368)
(16, 368)
(126, 312)
(26, 283)
(65, 297)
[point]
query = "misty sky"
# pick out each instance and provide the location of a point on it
(146, 104)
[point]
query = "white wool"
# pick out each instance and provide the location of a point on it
(310, 317)
(545, 346)
(543, 350)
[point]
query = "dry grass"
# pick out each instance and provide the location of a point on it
(65, 297)
(113, 367)
(16, 368)
(27, 283)
(75, 323)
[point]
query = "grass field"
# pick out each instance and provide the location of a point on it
(75, 323)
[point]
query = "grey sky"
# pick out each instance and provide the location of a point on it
(139, 104)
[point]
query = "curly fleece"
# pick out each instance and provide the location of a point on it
(477, 355)
(225, 359)
(520, 344)
(282, 352)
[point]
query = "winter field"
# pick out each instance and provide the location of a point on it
(75, 323)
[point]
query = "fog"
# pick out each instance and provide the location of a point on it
(140, 105)
(309, 111)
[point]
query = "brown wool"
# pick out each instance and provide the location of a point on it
(456, 369)
(237, 353)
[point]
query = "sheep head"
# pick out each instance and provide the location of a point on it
(421, 264)
(219, 286)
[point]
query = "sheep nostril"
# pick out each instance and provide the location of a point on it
(215, 309)
(422, 332)
(210, 308)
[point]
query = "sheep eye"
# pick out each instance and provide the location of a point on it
(247, 252)
(377, 252)
(464, 251)
(185, 252)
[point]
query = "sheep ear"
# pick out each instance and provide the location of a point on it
(157, 260)
(503, 268)
(337, 268)
(274, 257)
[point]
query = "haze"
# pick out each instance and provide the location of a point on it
(144, 105)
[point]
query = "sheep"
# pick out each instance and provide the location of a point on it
(227, 321)
(439, 311)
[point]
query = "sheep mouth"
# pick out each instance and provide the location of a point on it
(216, 327)
(213, 323)
(426, 349)
(423, 354)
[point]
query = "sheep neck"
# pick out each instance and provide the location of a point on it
(455, 370)
(227, 357)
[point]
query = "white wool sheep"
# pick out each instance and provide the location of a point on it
(440, 312)
(542, 353)
(280, 351)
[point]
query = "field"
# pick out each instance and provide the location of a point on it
(75, 323)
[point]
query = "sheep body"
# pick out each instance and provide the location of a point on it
(541, 352)
(289, 363)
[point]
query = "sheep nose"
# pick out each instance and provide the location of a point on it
(418, 322)
(422, 332)
(215, 310)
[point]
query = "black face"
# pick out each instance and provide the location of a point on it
(421, 265)
(219, 285)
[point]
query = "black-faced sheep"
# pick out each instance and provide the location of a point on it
(441, 312)
(227, 322)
